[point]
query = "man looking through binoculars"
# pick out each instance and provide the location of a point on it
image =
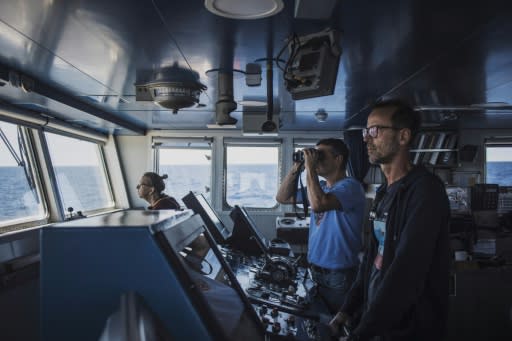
(337, 205)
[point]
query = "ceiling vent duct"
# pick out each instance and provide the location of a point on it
(226, 104)
(171, 87)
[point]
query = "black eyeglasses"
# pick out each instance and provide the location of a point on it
(373, 131)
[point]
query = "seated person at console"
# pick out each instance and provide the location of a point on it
(151, 187)
(336, 219)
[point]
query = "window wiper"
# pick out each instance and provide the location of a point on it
(18, 160)
(26, 165)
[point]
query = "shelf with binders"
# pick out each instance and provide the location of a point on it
(435, 149)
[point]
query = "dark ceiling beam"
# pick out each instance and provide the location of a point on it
(30, 84)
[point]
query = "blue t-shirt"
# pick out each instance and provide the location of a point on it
(335, 236)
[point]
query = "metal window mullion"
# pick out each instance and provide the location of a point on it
(182, 142)
(239, 142)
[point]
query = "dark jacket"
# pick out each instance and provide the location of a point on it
(165, 203)
(411, 301)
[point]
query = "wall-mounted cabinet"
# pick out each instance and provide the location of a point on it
(435, 148)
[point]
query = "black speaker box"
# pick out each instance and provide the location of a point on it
(468, 152)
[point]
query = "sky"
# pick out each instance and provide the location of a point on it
(184, 157)
(6, 158)
(73, 153)
(256, 156)
(499, 154)
(79, 153)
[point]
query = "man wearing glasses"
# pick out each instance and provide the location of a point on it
(337, 206)
(401, 291)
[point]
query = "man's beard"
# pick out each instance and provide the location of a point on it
(387, 156)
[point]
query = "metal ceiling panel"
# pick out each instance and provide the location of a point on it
(434, 53)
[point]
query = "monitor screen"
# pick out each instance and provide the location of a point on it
(219, 297)
(460, 199)
(246, 236)
(199, 204)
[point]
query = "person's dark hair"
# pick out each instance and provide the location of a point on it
(404, 115)
(157, 181)
(338, 146)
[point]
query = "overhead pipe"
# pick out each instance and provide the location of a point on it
(225, 104)
(269, 125)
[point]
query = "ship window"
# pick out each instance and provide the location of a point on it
(188, 164)
(498, 165)
(251, 177)
(20, 190)
(80, 173)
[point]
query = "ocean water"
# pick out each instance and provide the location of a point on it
(248, 185)
(16, 198)
(80, 187)
(499, 173)
(83, 189)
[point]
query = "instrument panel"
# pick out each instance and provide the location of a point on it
(278, 289)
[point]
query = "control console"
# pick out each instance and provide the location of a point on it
(273, 280)
(277, 287)
(293, 230)
(280, 325)
(292, 222)
(278, 270)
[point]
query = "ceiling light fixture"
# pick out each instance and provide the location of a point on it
(171, 87)
(244, 9)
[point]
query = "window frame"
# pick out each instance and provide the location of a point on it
(245, 142)
(18, 224)
(504, 142)
(103, 166)
(197, 143)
